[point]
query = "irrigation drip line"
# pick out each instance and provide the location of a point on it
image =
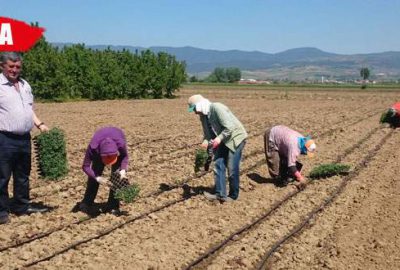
(103, 233)
(152, 194)
(186, 146)
(130, 220)
(254, 152)
(326, 203)
(155, 193)
(269, 212)
(355, 146)
(214, 249)
(256, 135)
(328, 132)
(353, 123)
(22, 242)
(59, 228)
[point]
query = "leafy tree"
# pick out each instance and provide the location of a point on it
(233, 74)
(42, 68)
(364, 73)
(176, 76)
(193, 79)
(222, 75)
(74, 72)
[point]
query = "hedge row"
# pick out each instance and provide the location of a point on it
(77, 72)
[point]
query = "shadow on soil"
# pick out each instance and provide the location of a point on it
(188, 191)
(263, 180)
(93, 211)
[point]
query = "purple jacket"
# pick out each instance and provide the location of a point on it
(93, 152)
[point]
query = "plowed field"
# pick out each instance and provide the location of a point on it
(172, 226)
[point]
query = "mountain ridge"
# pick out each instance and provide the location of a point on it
(287, 64)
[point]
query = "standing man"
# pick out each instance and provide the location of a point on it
(106, 148)
(282, 147)
(17, 118)
(228, 137)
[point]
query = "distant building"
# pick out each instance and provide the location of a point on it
(253, 81)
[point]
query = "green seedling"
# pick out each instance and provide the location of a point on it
(52, 154)
(386, 117)
(127, 194)
(328, 170)
(200, 160)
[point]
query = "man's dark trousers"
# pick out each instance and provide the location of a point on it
(15, 160)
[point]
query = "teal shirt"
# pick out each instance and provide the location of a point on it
(221, 123)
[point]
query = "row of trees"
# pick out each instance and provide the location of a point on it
(221, 75)
(225, 75)
(77, 72)
(230, 75)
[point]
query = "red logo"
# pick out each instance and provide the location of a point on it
(18, 36)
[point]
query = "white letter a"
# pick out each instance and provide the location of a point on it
(5, 34)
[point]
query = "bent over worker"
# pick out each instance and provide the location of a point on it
(228, 137)
(392, 116)
(106, 148)
(282, 147)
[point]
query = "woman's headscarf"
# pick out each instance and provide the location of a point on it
(199, 103)
(306, 145)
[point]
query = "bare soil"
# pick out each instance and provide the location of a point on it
(360, 229)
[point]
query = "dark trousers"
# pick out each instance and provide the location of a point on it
(395, 121)
(15, 160)
(92, 186)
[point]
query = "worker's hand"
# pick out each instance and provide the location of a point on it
(101, 180)
(215, 142)
(301, 183)
(43, 128)
(204, 145)
(298, 176)
(122, 174)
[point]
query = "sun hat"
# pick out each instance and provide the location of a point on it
(192, 101)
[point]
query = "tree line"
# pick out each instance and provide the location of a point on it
(221, 75)
(77, 72)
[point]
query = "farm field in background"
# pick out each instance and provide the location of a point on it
(171, 225)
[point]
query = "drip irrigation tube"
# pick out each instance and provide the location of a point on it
(328, 201)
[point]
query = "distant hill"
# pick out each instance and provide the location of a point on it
(293, 64)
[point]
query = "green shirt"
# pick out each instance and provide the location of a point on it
(220, 122)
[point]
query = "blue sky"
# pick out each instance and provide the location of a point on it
(338, 26)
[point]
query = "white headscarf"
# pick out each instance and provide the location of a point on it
(194, 99)
(203, 106)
